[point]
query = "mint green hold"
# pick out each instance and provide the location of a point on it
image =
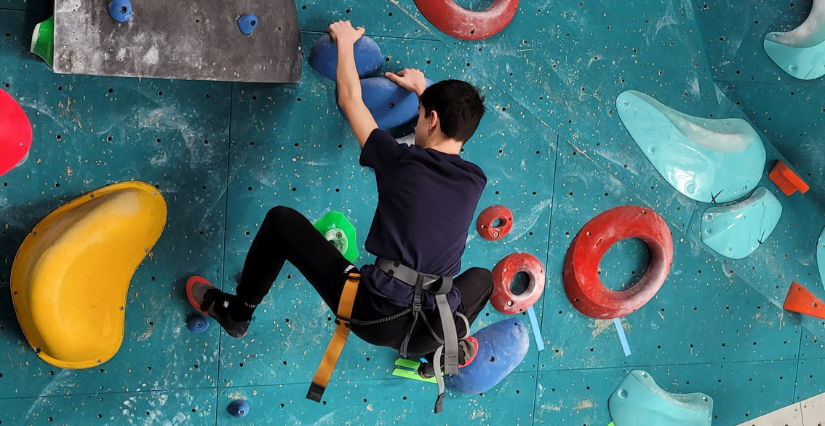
(737, 230)
(708, 160)
(335, 227)
(801, 52)
(640, 401)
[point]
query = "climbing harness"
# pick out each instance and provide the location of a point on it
(440, 286)
(436, 284)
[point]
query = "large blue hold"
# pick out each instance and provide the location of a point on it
(501, 348)
(324, 57)
(390, 104)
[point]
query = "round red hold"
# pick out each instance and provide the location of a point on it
(466, 24)
(581, 267)
(494, 223)
(15, 133)
(503, 298)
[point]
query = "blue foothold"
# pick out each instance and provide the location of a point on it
(238, 408)
(197, 324)
(120, 10)
(254, 319)
(248, 23)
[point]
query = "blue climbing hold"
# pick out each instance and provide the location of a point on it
(640, 401)
(501, 348)
(197, 324)
(324, 57)
(248, 23)
(120, 10)
(238, 408)
(390, 104)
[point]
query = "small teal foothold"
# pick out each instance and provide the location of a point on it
(197, 324)
(708, 160)
(640, 401)
(238, 408)
(120, 10)
(248, 23)
(801, 52)
(737, 230)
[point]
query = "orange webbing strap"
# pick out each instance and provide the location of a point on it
(336, 345)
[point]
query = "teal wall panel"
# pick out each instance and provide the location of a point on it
(397, 401)
(90, 132)
(555, 152)
(703, 313)
(733, 34)
(740, 391)
(176, 408)
(796, 125)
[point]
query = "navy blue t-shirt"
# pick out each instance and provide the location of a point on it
(426, 203)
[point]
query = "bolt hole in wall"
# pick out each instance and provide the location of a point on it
(624, 264)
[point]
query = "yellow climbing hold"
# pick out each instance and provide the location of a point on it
(71, 275)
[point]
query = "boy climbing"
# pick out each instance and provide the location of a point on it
(408, 300)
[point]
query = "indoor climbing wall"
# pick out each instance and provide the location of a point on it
(555, 152)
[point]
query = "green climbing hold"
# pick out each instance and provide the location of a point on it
(408, 369)
(335, 227)
(43, 41)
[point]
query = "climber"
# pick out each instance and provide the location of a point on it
(427, 196)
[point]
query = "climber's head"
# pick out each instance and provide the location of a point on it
(448, 110)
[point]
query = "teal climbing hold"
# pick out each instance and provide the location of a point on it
(501, 348)
(712, 161)
(737, 230)
(801, 52)
(640, 401)
(820, 256)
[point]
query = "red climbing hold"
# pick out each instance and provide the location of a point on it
(494, 223)
(15, 133)
(786, 179)
(503, 298)
(465, 24)
(581, 267)
(802, 301)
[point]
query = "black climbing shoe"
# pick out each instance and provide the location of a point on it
(204, 297)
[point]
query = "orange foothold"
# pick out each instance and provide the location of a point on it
(802, 301)
(786, 179)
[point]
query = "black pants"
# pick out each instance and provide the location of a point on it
(286, 235)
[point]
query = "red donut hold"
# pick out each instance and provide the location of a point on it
(466, 24)
(581, 266)
(503, 298)
(488, 218)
